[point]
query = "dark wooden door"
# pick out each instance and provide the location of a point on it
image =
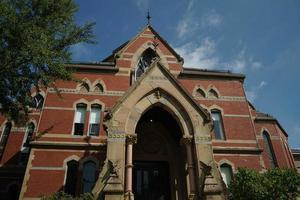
(151, 181)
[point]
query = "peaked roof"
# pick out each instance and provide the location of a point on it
(173, 80)
(127, 43)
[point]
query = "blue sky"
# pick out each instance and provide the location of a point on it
(260, 38)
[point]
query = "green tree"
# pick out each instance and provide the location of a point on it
(34, 46)
(275, 184)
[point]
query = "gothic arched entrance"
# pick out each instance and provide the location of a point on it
(159, 170)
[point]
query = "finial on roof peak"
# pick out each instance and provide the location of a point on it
(148, 17)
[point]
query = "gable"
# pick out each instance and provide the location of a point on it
(128, 54)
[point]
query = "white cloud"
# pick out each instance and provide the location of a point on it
(262, 84)
(202, 56)
(205, 56)
(211, 19)
(184, 27)
(254, 91)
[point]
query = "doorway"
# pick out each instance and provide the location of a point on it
(159, 166)
(151, 180)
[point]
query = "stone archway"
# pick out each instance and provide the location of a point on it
(159, 157)
(158, 87)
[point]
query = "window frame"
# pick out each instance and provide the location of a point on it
(2, 147)
(270, 150)
(66, 176)
(25, 149)
(82, 177)
(221, 124)
(84, 105)
(228, 166)
(100, 119)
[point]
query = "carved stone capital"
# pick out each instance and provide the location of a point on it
(131, 138)
(186, 139)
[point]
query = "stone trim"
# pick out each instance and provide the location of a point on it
(236, 150)
(47, 168)
(67, 145)
(75, 91)
(236, 141)
(236, 115)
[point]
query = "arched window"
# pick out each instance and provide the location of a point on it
(269, 149)
(37, 101)
(88, 176)
(226, 173)
(213, 94)
(200, 93)
(79, 119)
(27, 137)
(84, 87)
(71, 177)
(144, 62)
(218, 124)
(4, 137)
(94, 124)
(99, 88)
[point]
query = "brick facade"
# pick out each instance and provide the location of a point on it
(54, 144)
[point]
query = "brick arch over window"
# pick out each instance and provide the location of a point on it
(142, 49)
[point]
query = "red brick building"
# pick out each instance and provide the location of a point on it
(139, 124)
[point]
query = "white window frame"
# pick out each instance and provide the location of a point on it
(99, 121)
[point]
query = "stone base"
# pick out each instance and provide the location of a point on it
(129, 196)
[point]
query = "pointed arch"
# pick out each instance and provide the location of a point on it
(161, 98)
(148, 45)
(226, 173)
(84, 85)
(99, 86)
(213, 92)
(268, 147)
(199, 92)
(144, 62)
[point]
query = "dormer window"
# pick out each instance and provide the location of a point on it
(144, 62)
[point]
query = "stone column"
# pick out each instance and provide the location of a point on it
(130, 140)
(187, 142)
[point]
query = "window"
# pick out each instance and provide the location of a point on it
(4, 136)
(37, 101)
(27, 137)
(269, 150)
(213, 94)
(99, 88)
(71, 177)
(88, 176)
(226, 173)
(200, 93)
(144, 62)
(218, 124)
(79, 119)
(94, 124)
(84, 87)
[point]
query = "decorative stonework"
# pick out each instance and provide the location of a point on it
(131, 138)
(187, 139)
